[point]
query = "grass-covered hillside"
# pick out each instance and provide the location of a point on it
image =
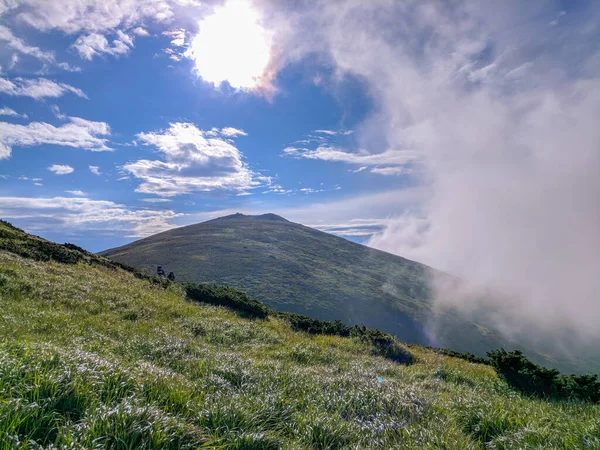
(298, 269)
(94, 356)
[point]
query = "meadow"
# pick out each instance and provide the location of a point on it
(93, 356)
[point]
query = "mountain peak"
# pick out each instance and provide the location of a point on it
(267, 216)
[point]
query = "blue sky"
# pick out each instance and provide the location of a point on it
(82, 122)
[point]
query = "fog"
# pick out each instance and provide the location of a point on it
(500, 101)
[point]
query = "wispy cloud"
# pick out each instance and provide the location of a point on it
(78, 213)
(60, 169)
(11, 113)
(194, 160)
(95, 170)
(393, 170)
(19, 45)
(335, 132)
(232, 132)
(77, 193)
(335, 154)
(37, 88)
(139, 31)
(96, 44)
(91, 20)
(78, 133)
(177, 36)
(92, 15)
(156, 200)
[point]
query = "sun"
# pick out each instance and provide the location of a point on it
(232, 46)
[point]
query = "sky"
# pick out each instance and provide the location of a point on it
(461, 134)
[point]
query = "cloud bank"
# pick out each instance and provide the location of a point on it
(501, 113)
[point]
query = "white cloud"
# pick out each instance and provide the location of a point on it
(177, 37)
(95, 170)
(139, 31)
(77, 193)
(19, 45)
(77, 214)
(78, 133)
(156, 200)
(394, 170)
(12, 113)
(194, 160)
(360, 169)
(56, 111)
(310, 190)
(95, 16)
(37, 88)
(60, 169)
(335, 132)
(232, 132)
(334, 154)
(96, 44)
(91, 20)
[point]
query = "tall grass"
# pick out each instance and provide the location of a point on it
(93, 357)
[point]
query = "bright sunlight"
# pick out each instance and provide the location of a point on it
(232, 46)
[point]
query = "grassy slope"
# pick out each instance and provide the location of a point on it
(295, 268)
(91, 356)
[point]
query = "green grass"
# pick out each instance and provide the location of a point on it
(93, 357)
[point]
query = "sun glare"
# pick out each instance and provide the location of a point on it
(232, 46)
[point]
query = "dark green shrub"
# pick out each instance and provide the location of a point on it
(226, 296)
(470, 357)
(299, 322)
(383, 344)
(531, 379)
(75, 247)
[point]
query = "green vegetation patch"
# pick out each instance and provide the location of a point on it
(532, 379)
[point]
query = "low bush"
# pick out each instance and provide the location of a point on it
(531, 379)
(299, 322)
(383, 344)
(226, 296)
(470, 357)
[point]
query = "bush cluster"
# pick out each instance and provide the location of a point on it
(383, 344)
(470, 357)
(531, 379)
(226, 296)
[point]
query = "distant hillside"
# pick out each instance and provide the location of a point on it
(294, 268)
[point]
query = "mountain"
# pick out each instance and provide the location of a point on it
(97, 355)
(294, 268)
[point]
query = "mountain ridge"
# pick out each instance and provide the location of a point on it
(294, 268)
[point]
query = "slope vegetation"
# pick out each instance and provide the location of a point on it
(93, 356)
(298, 269)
